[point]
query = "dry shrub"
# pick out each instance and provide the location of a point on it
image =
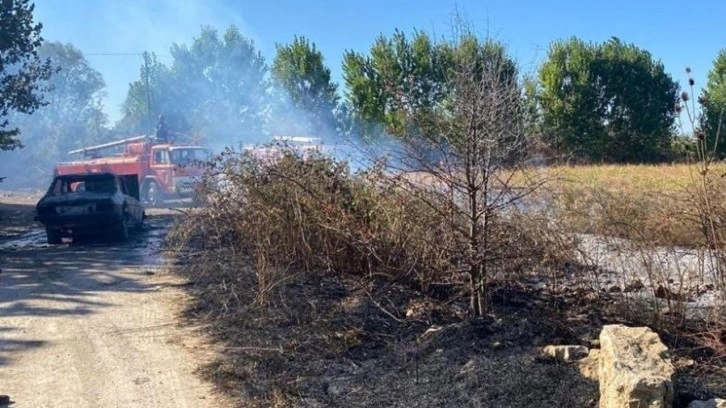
(313, 216)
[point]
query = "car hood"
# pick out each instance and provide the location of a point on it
(81, 197)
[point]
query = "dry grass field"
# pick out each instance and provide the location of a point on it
(665, 178)
(658, 204)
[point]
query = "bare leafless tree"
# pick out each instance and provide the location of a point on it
(469, 159)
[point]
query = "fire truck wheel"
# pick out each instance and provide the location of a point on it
(152, 195)
(53, 236)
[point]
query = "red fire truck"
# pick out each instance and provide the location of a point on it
(164, 170)
(272, 152)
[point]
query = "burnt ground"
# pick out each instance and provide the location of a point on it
(16, 214)
(330, 341)
(348, 349)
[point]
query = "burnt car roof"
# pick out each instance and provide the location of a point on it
(94, 183)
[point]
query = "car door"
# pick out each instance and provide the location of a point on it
(132, 187)
(133, 206)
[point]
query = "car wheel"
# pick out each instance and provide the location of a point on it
(53, 236)
(140, 225)
(152, 196)
(122, 231)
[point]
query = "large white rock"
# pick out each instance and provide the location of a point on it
(635, 369)
(589, 366)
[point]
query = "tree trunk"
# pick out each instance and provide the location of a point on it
(474, 263)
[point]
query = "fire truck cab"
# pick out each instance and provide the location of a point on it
(164, 170)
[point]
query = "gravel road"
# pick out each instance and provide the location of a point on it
(96, 324)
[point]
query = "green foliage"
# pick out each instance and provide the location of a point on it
(607, 102)
(73, 116)
(153, 93)
(399, 73)
(215, 87)
(405, 84)
(569, 102)
(299, 71)
(530, 101)
(21, 70)
(713, 102)
(683, 148)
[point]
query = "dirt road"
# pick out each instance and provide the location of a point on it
(96, 325)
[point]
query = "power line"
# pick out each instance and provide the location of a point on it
(123, 54)
(113, 53)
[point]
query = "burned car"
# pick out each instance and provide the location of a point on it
(81, 204)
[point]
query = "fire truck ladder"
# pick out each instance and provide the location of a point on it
(90, 149)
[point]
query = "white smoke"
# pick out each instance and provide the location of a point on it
(114, 33)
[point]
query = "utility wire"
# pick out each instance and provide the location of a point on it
(123, 54)
(113, 53)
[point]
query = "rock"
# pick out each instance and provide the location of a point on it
(703, 289)
(634, 286)
(635, 369)
(335, 390)
(615, 289)
(419, 309)
(712, 403)
(312, 402)
(685, 362)
(590, 297)
(588, 366)
(566, 354)
(468, 368)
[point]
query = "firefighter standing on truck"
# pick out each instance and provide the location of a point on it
(162, 132)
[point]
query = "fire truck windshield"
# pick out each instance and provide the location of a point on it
(185, 155)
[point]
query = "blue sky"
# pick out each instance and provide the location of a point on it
(679, 33)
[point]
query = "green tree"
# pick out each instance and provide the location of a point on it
(533, 113)
(299, 70)
(214, 89)
(569, 102)
(73, 116)
(154, 93)
(713, 102)
(607, 102)
(405, 83)
(21, 70)
(397, 75)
